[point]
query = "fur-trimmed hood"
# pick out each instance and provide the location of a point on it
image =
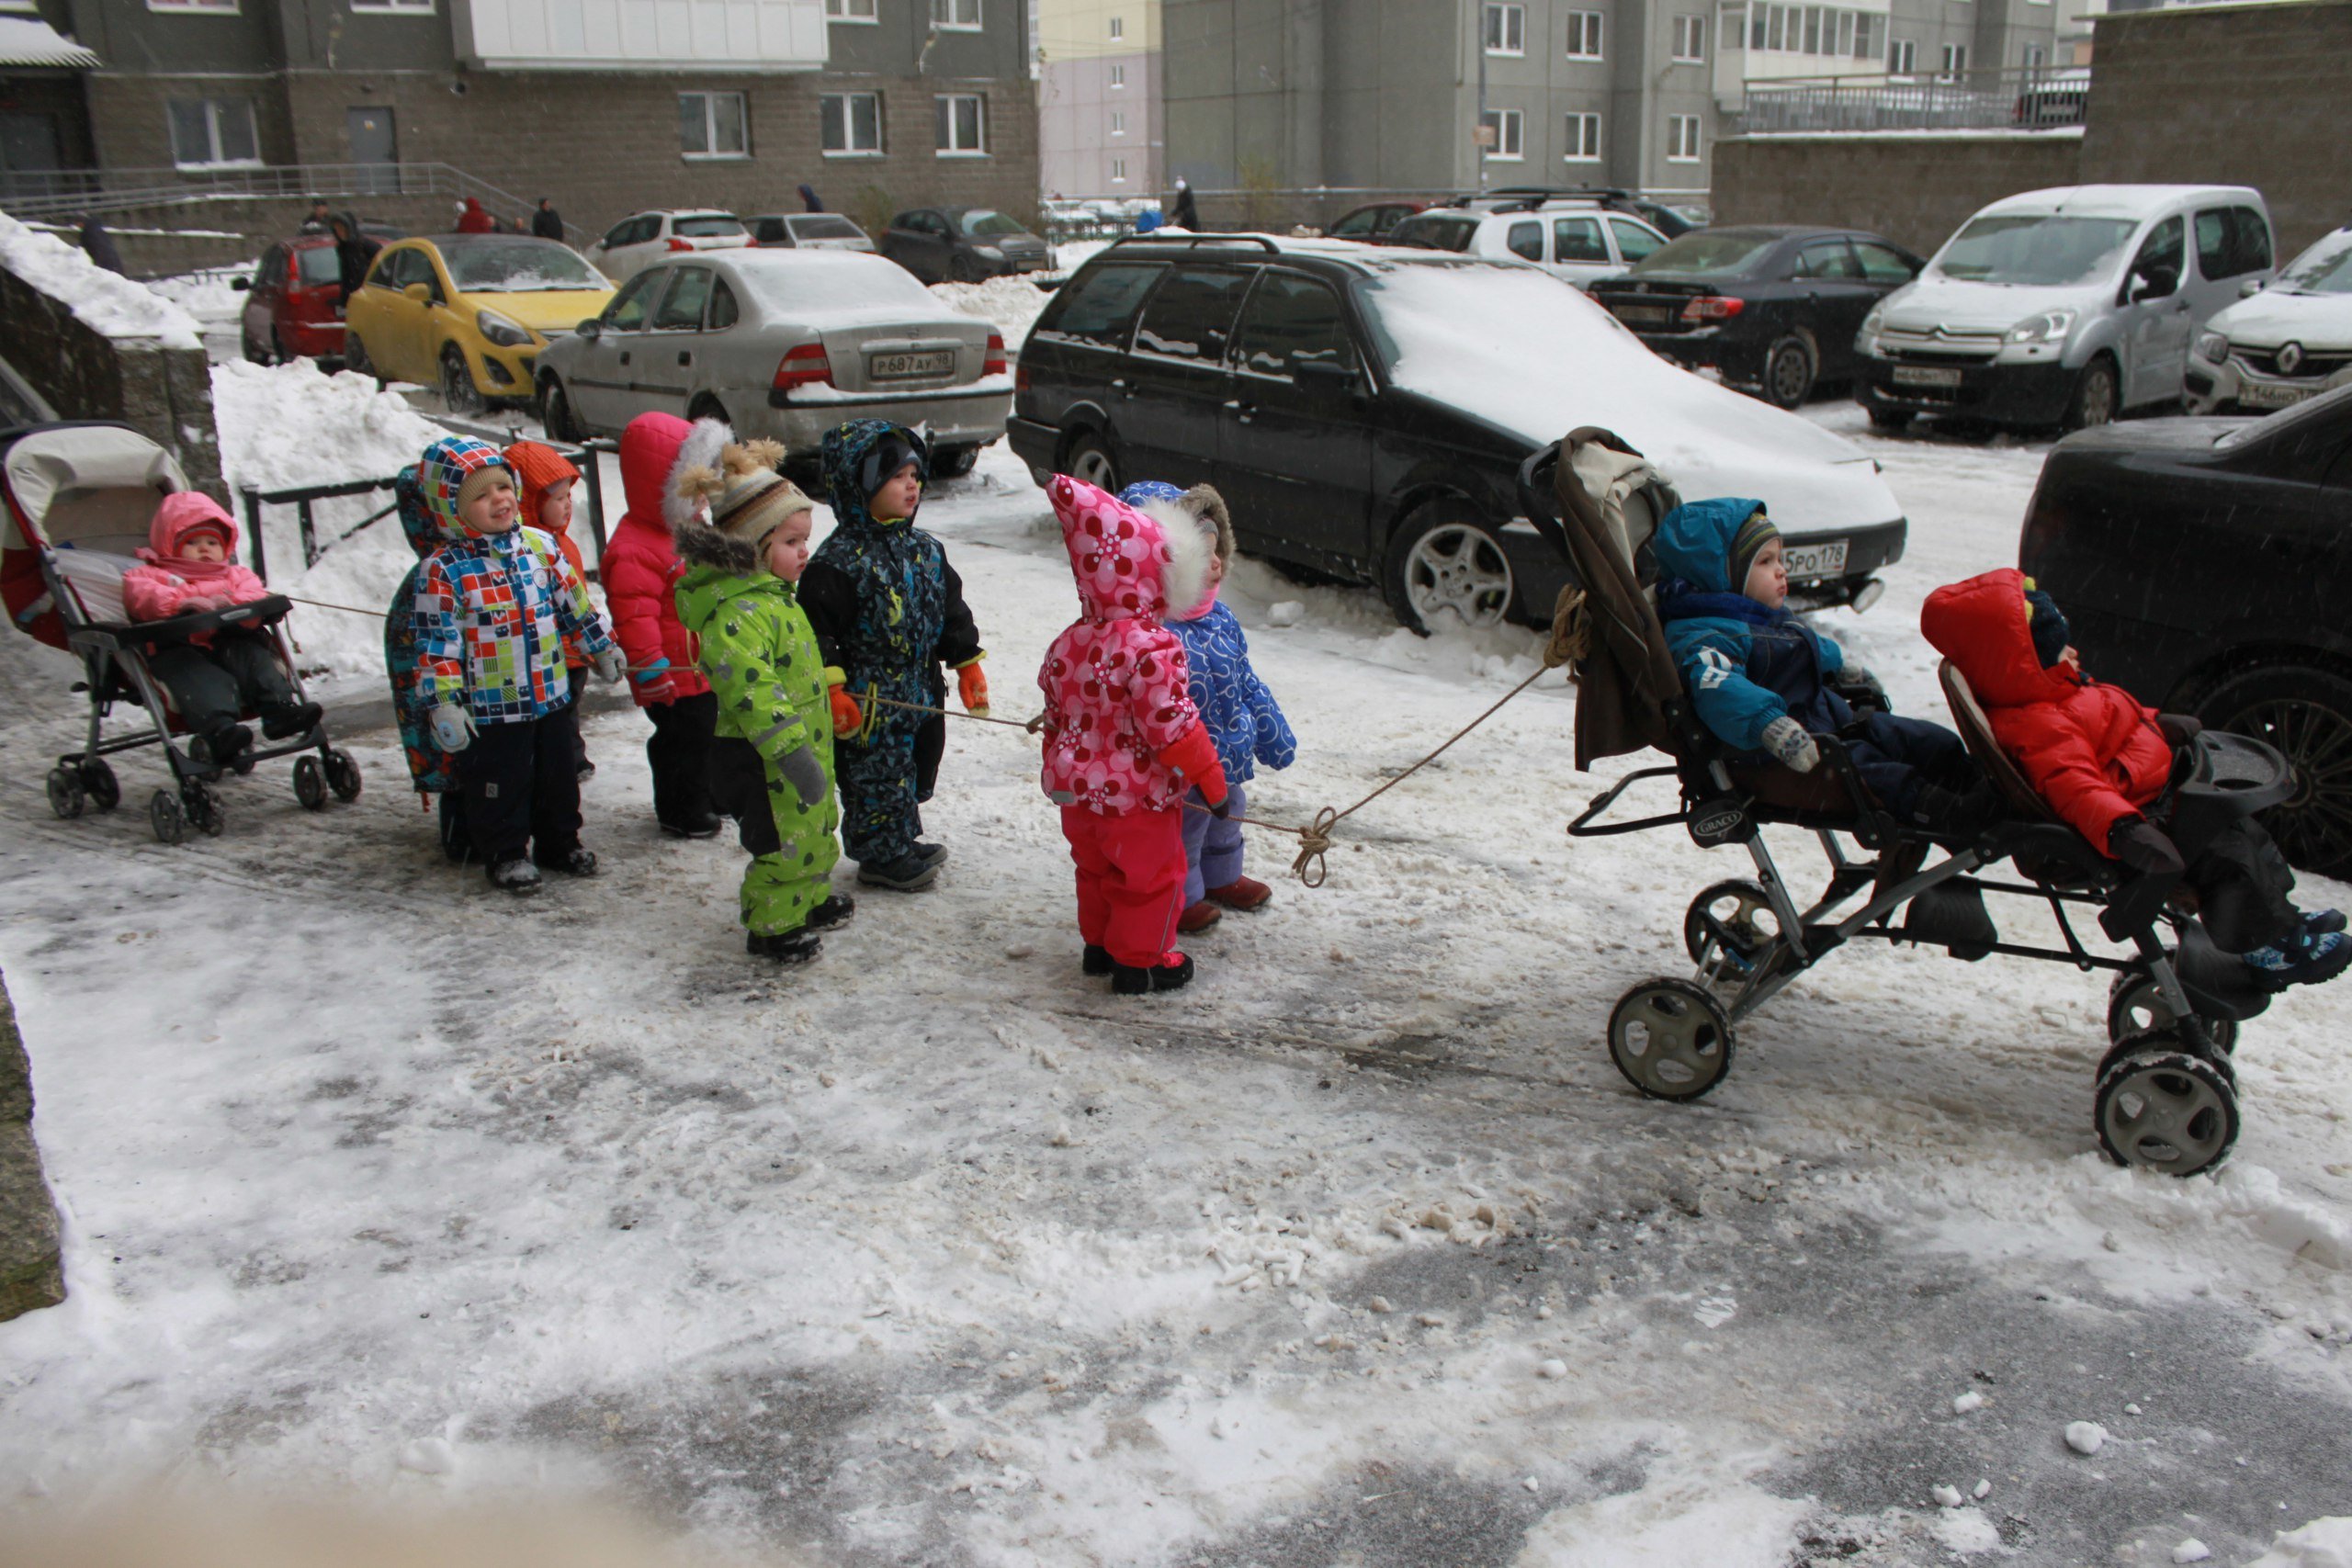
(700, 544)
(1129, 564)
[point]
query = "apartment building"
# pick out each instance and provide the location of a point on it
(1401, 93)
(607, 106)
(1099, 126)
(1771, 40)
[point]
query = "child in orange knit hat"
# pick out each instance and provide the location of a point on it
(547, 479)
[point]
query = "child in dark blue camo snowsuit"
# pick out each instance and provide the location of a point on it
(888, 610)
(1243, 721)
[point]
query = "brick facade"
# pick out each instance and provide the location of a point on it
(1914, 189)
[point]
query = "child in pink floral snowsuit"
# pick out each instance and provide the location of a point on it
(1123, 739)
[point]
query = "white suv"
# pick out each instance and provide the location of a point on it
(1580, 241)
(639, 241)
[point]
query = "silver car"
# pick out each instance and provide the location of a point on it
(786, 344)
(809, 230)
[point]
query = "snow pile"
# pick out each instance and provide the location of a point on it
(287, 426)
(1010, 304)
(207, 295)
(103, 301)
(2322, 1543)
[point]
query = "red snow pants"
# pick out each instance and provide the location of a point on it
(1130, 881)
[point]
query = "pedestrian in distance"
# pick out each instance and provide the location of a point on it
(808, 199)
(889, 613)
(319, 217)
(354, 252)
(1183, 213)
(547, 224)
(772, 760)
(99, 245)
(473, 218)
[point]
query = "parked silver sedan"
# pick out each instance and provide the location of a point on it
(786, 344)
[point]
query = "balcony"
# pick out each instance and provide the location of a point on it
(733, 36)
(2042, 97)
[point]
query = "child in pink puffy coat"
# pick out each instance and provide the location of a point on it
(213, 676)
(1123, 741)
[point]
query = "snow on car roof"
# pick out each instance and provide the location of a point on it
(2117, 200)
(833, 287)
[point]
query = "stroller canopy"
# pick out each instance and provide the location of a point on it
(89, 487)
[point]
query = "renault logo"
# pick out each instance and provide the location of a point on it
(2290, 358)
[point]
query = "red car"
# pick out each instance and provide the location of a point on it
(294, 301)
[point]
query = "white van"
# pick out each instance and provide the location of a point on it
(2062, 307)
(1579, 242)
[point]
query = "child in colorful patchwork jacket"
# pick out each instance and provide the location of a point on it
(772, 758)
(1242, 715)
(1124, 743)
(492, 607)
(888, 612)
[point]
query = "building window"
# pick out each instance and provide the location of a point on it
(2036, 57)
(1691, 39)
(1955, 62)
(1682, 138)
(1118, 75)
(1504, 141)
(1869, 34)
(1118, 171)
(399, 8)
(1118, 122)
(1118, 28)
(1506, 30)
(1902, 57)
(962, 126)
(1584, 35)
(217, 8)
(212, 134)
(713, 125)
(850, 11)
(1584, 139)
(850, 122)
(957, 15)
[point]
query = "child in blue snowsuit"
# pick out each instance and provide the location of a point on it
(1759, 676)
(1242, 720)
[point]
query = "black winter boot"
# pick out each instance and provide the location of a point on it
(518, 875)
(905, 874)
(1129, 980)
(833, 914)
(225, 748)
(282, 719)
(1096, 960)
(573, 862)
(785, 947)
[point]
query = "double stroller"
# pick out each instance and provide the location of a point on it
(79, 498)
(2165, 1096)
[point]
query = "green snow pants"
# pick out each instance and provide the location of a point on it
(792, 847)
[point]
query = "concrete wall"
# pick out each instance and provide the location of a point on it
(164, 393)
(31, 1275)
(2236, 95)
(1914, 189)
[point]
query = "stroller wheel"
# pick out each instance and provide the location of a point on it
(343, 774)
(310, 783)
(2165, 1039)
(1671, 1038)
(164, 815)
(1741, 913)
(98, 780)
(65, 794)
(203, 808)
(2164, 1108)
(2134, 1006)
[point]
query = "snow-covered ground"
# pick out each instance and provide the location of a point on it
(1359, 1251)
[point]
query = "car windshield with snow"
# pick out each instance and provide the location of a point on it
(784, 343)
(470, 313)
(1365, 410)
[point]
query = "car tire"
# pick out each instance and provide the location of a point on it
(1890, 419)
(458, 393)
(953, 462)
(556, 416)
(1088, 457)
(962, 269)
(709, 408)
(2098, 395)
(1790, 367)
(1444, 562)
(2304, 710)
(254, 350)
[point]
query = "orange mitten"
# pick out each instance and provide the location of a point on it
(847, 715)
(973, 688)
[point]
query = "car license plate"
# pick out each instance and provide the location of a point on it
(2255, 395)
(907, 366)
(1807, 561)
(1644, 315)
(1926, 375)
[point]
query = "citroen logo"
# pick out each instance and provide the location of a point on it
(2290, 358)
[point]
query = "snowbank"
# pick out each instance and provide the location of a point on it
(103, 301)
(2322, 1543)
(1010, 304)
(205, 295)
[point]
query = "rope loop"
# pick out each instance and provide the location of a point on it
(1313, 842)
(1570, 642)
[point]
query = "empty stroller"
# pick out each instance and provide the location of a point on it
(79, 500)
(2165, 1096)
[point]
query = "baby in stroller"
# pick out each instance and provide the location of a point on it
(2105, 763)
(1766, 684)
(190, 568)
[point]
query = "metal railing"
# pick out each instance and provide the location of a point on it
(2033, 97)
(63, 193)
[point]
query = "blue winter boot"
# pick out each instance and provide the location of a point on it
(2302, 958)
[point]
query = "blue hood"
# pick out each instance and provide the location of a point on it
(1694, 541)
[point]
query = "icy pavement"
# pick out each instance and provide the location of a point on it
(1357, 1252)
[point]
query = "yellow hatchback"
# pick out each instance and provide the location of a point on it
(468, 314)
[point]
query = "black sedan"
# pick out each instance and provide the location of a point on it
(2203, 565)
(962, 244)
(1774, 308)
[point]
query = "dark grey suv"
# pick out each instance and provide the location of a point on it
(962, 244)
(1365, 409)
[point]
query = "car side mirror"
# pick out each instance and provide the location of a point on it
(2252, 287)
(418, 291)
(241, 283)
(590, 329)
(2154, 285)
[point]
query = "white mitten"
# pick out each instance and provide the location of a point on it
(1789, 745)
(453, 726)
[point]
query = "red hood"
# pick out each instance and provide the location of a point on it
(1984, 627)
(181, 511)
(649, 452)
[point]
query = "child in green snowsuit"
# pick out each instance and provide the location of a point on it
(772, 763)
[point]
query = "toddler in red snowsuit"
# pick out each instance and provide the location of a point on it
(1123, 741)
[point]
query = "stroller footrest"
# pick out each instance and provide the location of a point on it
(1952, 916)
(2218, 983)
